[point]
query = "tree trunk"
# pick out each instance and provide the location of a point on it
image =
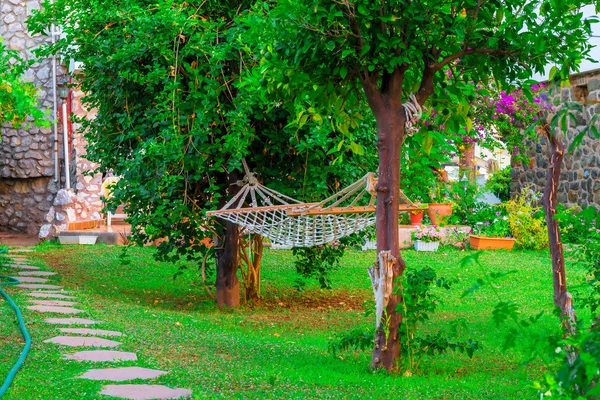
(390, 128)
(226, 253)
(562, 298)
(466, 164)
(250, 265)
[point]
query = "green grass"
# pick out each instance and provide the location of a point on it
(277, 349)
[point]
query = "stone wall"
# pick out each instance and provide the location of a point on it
(580, 174)
(27, 186)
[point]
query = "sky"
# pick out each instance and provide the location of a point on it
(588, 11)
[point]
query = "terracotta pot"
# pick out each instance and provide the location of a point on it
(491, 243)
(436, 211)
(415, 219)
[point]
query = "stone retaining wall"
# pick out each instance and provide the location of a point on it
(580, 175)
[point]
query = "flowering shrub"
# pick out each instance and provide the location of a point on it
(526, 221)
(427, 234)
(576, 225)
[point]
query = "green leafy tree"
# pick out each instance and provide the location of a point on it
(18, 99)
(180, 102)
(391, 51)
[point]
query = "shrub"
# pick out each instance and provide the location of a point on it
(526, 221)
(499, 184)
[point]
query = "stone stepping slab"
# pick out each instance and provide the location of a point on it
(20, 250)
(55, 309)
(44, 295)
(81, 341)
(102, 356)
(53, 303)
(37, 286)
(36, 273)
(29, 279)
(95, 332)
(122, 374)
(27, 267)
(71, 321)
(144, 392)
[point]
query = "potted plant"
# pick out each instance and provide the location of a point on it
(426, 239)
(440, 206)
(491, 235)
(416, 216)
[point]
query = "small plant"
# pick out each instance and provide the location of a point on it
(497, 227)
(427, 234)
(526, 221)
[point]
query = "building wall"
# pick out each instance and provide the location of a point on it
(580, 175)
(27, 186)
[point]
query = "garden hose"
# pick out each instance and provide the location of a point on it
(23, 356)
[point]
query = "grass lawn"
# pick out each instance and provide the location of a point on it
(277, 349)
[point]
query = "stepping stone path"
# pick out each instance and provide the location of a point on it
(55, 309)
(82, 341)
(71, 321)
(102, 355)
(144, 392)
(50, 295)
(53, 303)
(36, 273)
(30, 278)
(27, 267)
(37, 286)
(86, 331)
(122, 374)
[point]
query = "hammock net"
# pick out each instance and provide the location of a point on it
(289, 222)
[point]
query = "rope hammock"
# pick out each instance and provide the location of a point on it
(289, 222)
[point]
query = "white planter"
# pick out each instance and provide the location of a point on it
(68, 239)
(88, 239)
(426, 246)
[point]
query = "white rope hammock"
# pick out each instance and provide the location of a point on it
(289, 222)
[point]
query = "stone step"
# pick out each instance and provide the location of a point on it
(145, 392)
(102, 356)
(53, 303)
(54, 309)
(37, 286)
(82, 341)
(43, 295)
(95, 332)
(122, 374)
(71, 321)
(36, 273)
(27, 267)
(20, 250)
(29, 279)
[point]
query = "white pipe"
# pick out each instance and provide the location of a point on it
(66, 144)
(55, 106)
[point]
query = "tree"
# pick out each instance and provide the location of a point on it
(18, 99)
(180, 102)
(395, 52)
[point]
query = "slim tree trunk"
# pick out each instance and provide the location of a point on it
(389, 265)
(562, 298)
(466, 163)
(226, 253)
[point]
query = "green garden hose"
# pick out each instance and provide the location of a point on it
(23, 356)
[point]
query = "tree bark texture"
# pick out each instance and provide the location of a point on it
(389, 113)
(226, 253)
(562, 298)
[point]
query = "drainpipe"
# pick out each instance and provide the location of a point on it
(55, 106)
(64, 95)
